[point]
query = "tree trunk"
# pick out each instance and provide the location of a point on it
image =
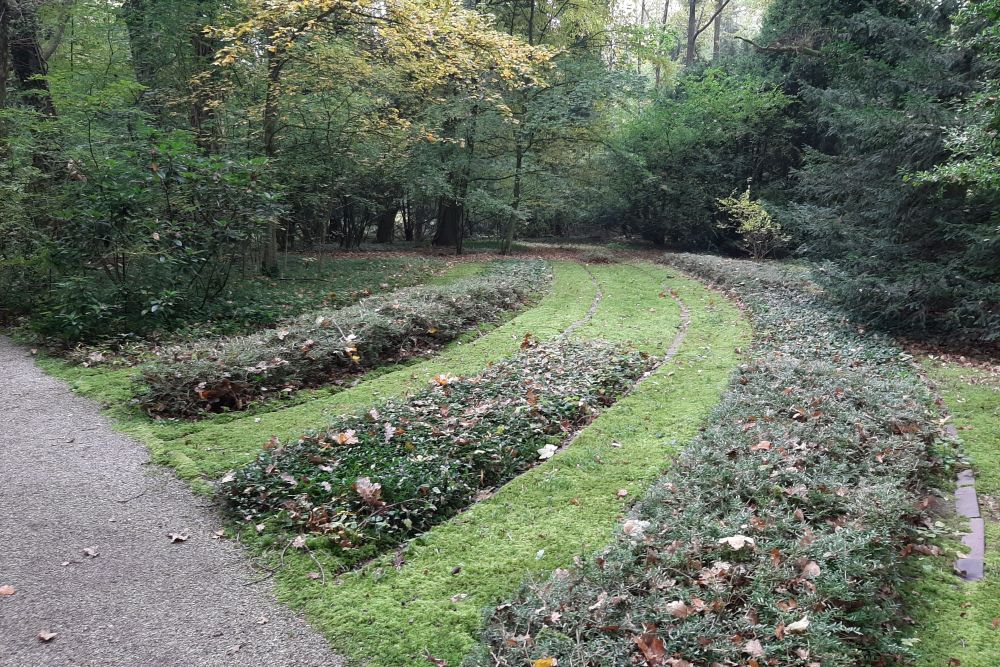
(27, 61)
(202, 93)
(515, 204)
(4, 53)
(269, 264)
(450, 218)
(142, 50)
(692, 31)
(642, 24)
(663, 26)
(407, 211)
(717, 38)
(386, 225)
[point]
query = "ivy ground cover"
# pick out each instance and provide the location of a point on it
(368, 481)
(426, 598)
(778, 538)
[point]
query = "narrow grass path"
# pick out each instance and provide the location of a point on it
(959, 620)
(428, 598)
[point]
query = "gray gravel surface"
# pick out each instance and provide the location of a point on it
(69, 484)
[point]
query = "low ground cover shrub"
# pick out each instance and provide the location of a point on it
(373, 479)
(598, 256)
(325, 345)
(778, 536)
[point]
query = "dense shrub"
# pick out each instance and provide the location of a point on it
(144, 239)
(760, 234)
(317, 348)
(776, 538)
(373, 479)
(598, 256)
(687, 149)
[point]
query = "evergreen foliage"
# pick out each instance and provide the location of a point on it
(369, 481)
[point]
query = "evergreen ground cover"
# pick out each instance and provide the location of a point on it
(427, 597)
(370, 480)
(778, 536)
(328, 345)
(956, 621)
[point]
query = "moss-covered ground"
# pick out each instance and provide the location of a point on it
(958, 623)
(428, 598)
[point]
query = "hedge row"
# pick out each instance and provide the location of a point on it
(777, 538)
(325, 346)
(371, 480)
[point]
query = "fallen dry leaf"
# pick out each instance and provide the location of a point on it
(679, 609)
(369, 492)
(811, 570)
(652, 647)
(798, 627)
(754, 648)
(299, 542)
(737, 542)
(544, 662)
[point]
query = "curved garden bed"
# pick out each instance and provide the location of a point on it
(425, 599)
(778, 537)
(321, 347)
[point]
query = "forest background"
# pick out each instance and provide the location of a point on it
(153, 155)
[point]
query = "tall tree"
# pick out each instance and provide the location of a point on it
(27, 58)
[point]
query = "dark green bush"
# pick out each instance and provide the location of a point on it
(598, 256)
(777, 535)
(142, 240)
(371, 480)
(324, 346)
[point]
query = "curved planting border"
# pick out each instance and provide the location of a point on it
(208, 450)
(330, 345)
(778, 537)
(426, 599)
(955, 620)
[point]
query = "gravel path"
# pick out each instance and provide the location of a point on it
(84, 521)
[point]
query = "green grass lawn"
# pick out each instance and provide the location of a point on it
(959, 621)
(389, 613)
